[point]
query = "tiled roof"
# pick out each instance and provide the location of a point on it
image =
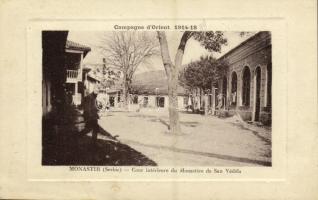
(113, 90)
(76, 46)
(147, 82)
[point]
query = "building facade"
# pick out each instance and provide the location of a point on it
(246, 89)
(74, 55)
(62, 80)
(53, 72)
(148, 100)
(90, 81)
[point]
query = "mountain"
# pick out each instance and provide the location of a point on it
(147, 82)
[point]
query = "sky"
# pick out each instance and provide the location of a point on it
(193, 49)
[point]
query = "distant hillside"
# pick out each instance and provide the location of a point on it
(147, 82)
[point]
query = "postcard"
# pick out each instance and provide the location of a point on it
(185, 105)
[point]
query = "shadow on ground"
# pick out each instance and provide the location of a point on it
(71, 148)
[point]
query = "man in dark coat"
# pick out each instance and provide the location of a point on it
(91, 114)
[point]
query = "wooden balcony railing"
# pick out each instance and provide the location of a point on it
(72, 76)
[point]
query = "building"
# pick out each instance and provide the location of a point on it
(53, 72)
(62, 81)
(90, 80)
(150, 90)
(246, 89)
(114, 97)
(148, 99)
(110, 79)
(74, 55)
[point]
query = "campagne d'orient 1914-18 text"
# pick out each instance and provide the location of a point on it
(156, 27)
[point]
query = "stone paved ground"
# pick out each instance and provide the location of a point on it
(205, 141)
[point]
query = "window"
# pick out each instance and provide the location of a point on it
(160, 101)
(246, 86)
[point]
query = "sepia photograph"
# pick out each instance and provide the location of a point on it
(157, 98)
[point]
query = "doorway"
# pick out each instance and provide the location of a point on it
(145, 102)
(246, 87)
(258, 92)
(112, 101)
(224, 92)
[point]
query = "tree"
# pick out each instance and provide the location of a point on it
(212, 41)
(202, 73)
(126, 50)
(107, 75)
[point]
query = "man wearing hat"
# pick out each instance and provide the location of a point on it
(91, 113)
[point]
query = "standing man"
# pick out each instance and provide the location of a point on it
(91, 114)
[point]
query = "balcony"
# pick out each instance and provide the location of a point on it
(73, 76)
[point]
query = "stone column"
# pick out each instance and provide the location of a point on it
(206, 98)
(213, 100)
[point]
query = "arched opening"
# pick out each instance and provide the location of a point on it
(246, 86)
(216, 93)
(112, 101)
(233, 89)
(257, 93)
(224, 90)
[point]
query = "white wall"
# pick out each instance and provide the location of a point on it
(180, 102)
(152, 101)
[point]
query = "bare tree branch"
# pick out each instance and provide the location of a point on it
(127, 50)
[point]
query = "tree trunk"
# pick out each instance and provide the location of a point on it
(125, 93)
(173, 101)
(172, 74)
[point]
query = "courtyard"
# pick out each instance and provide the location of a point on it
(205, 140)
